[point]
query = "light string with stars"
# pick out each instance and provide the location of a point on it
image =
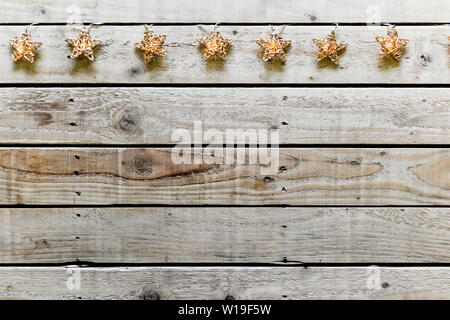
(23, 48)
(329, 47)
(152, 45)
(391, 44)
(84, 44)
(274, 46)
(214, 46)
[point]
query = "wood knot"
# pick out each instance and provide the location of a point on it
(140, 164)
(149, 294)
(143, 165)
(39, 244)
(425, 59)
(128, 122)
(134, 70)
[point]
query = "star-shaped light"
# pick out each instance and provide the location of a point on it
(83, 45)
(391, 44)
(214, 46)
(152, 45)
(24, 48)
(274, 47)
(329, 47)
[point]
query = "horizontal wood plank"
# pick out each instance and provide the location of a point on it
(150, 115)
(220, 282)
(297, 176)
(117, 61)
(225, 235)
(231, 11)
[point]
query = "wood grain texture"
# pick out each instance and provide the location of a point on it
(150, 115)
(220, 282)
(225, 235)
(426, 60)
(231, 11)
(301, 176)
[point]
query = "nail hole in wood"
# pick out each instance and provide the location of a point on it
(268, 179)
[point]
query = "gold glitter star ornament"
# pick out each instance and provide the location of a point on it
(274, 47)
(83, 45)
(24, 47)
(152, 45)
(329, 47)
(391, 44)
(214, 46)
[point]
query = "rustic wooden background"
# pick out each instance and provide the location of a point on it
(364, 179)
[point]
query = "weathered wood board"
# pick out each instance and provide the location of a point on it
(230, 11)
(150, 115)
(117, 61)
(225, 235)
(300, 176)
(220, 282)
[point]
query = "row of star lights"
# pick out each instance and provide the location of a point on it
(214, 46)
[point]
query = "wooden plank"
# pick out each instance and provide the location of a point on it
(302, 115)
(426, 60)
(300, 176)
(220, 282)
(231, 11)
(225, 235)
